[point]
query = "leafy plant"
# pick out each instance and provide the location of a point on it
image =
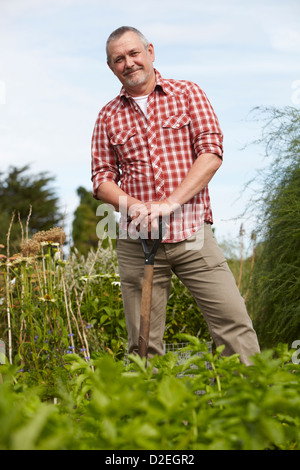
(207, 402)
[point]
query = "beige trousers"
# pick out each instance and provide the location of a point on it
(200, 265)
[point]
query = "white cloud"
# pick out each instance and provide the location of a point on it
(19, 7)
(198, 33)
(286, 40)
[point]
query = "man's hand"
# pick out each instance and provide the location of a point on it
(145, 216)
(139, 215)
(162, 209)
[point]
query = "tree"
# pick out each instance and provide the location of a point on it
(275, 294)
(24, 194)
(86, 220)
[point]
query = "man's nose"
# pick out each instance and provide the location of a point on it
(129, 62)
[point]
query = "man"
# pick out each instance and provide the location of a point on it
(155, 147)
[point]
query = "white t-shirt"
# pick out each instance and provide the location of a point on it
(142, 102)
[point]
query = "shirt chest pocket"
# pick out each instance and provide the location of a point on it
(121, 138)
(176, 122)
(127, 143)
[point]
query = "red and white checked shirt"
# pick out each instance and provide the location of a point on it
(149, 157)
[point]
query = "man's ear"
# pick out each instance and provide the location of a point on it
(110, 67)
(151, 51)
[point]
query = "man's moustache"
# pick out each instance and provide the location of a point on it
(130, 71)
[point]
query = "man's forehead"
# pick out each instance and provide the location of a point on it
(125, 43)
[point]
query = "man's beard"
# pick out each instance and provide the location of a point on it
(134, 81)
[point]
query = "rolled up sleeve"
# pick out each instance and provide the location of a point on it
(206, 133)
(104, 161)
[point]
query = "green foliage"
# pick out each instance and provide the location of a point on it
(275, 295)
(208, 402)
(19, 192)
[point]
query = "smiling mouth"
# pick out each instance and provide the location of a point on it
(131, 72)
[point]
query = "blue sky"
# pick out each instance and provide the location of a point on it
(54, 80)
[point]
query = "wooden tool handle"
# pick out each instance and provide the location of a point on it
(145, 310)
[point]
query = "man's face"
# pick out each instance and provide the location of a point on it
(132, 63)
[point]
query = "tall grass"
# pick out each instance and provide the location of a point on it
(274, 295)
(51, 306)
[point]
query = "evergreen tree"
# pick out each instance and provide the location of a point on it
(275, 296)
(86, 220)
(25, 195)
